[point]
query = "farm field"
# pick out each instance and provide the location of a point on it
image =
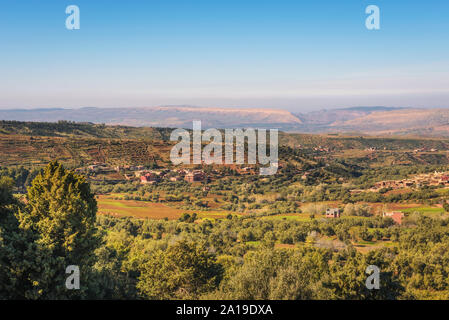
(75, 151)
(109, 205)
(150, 210)
(367, 246)
(427, 211)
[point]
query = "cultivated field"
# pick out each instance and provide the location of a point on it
(150, 210)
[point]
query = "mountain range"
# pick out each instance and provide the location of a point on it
(355, 120)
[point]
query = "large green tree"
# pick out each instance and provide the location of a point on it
(60, 213)
(8, 235)
(18, 252)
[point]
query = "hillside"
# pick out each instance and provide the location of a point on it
(35, 144)
(406, 121)
(86, 130)
(321, 120)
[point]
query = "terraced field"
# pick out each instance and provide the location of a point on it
(36, 151)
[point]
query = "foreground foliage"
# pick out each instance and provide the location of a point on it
(232, 258)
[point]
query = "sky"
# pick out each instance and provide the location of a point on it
(288, 54)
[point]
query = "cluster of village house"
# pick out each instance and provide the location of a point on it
(415, 151)
(397, 216)
(321, 148)
(152, 176)
(428, 179)
(425, 150)
(147, 176)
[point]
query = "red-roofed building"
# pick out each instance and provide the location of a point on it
(196, 175)
(148, 178)
(395, 215)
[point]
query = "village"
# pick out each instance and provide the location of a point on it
(425, 179)
(145, 175)
(437, 179)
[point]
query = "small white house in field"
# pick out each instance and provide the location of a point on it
(333, 213)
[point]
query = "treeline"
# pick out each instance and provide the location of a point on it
(82, 129)
(360, 142)
(20, 176)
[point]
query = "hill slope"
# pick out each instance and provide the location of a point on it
(405, 121)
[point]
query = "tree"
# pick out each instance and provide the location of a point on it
(60, 214)
(184, 271)
(8, 228)
(18, 252)
(278, 274)
(348, 276)
(446, 206)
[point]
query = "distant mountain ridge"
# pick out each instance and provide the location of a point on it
(327, 117)
(354, 120)
(161, 116)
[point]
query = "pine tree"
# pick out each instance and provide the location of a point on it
(18, 252)
(60, 214)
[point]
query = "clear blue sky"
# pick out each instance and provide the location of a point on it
(292, 54)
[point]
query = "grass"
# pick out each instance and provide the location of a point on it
(366, 243)
(253, 243)
(424, 210)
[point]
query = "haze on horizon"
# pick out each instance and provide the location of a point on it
(272, 54)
